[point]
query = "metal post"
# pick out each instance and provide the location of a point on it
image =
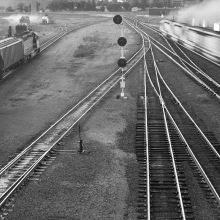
(122, 35)
(33, 7)
(1, 67)
(122, 85)
(81, 145)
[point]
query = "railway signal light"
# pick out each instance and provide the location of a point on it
(122, 41)
(117, 19)
(122, 62)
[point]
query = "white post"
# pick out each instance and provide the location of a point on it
(122, 35)
(122, 85)
(193, 22)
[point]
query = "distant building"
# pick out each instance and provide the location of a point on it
(135, 9)
(178, 1)
(57, 1)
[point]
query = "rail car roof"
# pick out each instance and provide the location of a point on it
(8, 41)
(205, 31)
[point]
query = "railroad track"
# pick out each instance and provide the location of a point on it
(162, 190)
(174, 52)
(168, 123)
(200, 146)
(30, 53)
(13, 174)
(63, 32)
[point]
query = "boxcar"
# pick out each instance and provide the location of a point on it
(11, 53)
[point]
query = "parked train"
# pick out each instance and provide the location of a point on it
(23, 27)
(46, 19)
(25, 20)
(204, 41)
(15, 51)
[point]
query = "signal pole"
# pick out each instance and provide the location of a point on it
(33, 7)
(122, 41)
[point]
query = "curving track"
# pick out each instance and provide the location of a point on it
(170, 146)
(168, 129)
(23, 165)
(178, 54)
(29, 53)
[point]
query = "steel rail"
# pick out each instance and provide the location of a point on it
(93, 91)
(182, 137)
(190, 73)
(52, 40)
(189, 150)
(146, 136)
(102, 93)
(201, 55)
(165, 37)
(196, 67)
(169, 140)
(208, 142)
(185, 69)
(46, 44)
(159, 94)
(147, 144)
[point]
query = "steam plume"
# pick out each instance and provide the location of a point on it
(208, 11)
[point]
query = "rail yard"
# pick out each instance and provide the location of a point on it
(153, 154)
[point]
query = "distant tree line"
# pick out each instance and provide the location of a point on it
(71, 6)
(22, 7)
(91, 5)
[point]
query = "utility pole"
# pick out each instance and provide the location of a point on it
(33, 7)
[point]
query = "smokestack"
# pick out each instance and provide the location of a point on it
(33, 7)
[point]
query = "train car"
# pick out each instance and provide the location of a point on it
(15, 51)
(25, 20)
(178, 31)
(171, 29)
(165, 27)
(21, 29)
(46, 19)
(32, 45)
(11, 52)
(204, 41)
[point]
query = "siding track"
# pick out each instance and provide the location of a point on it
(13, 174)
(195, 150)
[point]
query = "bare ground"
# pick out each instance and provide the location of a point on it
(100, 183)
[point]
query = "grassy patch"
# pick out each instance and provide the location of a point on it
(91, 43)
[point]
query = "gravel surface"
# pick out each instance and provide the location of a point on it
(37, 94)
(100, 183)
(204, 109)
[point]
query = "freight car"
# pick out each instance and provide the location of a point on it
(204, 41)
(14, 52)
(25, 20)
(46, 19)
(22, 29)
